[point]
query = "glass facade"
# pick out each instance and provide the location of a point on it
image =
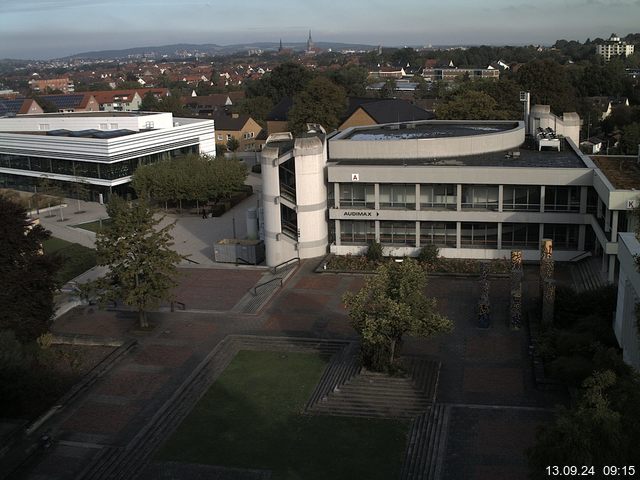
(482, 197)
(287, 171)
(520, 235)
(562, 199)
(441, 234)
(398, 233)
(357, 233)
(479, 235)
(520, 198)
(565, 237)
(398, 195)
(357, 195)
(438, 197)
(97, 170)
(289, 220)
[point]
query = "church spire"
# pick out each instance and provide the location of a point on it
(280, 47)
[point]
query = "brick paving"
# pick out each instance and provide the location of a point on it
(487, 367)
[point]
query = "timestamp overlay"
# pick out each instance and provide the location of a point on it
(606, 471)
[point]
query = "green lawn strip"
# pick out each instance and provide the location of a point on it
(76, 259)
(93, 226)
(251, 417)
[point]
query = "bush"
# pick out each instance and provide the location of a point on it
(429, 254)
(374, 252)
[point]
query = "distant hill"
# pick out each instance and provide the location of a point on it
(180, 49)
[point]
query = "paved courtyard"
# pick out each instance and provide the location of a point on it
(485, 377)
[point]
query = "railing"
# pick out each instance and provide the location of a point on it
(179, 304)
(189, 260)
(580, 256)
(240, 260)
(255, 289)
(283, 264)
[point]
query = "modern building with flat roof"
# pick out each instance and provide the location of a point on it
(475, 189)
(102, 149)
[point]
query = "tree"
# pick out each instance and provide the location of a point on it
(149, 103)
(26, 275)
(80, 188)
(233, 144)
(256, 107)
(388, 90)
(469, 105)
(353, 78)
(390, 305)
(549, 84)
(630, 139)
(142, 265)
(590, 433)
(322, 101)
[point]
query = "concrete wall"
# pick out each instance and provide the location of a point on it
(625, 323)
(343, 148)
(568, 125)
(80, 121)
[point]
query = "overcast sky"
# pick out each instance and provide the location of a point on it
(55, 28)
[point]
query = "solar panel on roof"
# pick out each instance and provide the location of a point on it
(64, 101)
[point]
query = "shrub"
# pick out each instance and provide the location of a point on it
(374, 252)
(428, 254)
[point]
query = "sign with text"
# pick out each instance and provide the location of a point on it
(360, 214)
(355, 177)
(631, 204)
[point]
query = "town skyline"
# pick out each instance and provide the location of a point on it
(45, 29)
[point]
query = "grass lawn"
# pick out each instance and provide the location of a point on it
(76, 259)
(251, 418)
(94, 226)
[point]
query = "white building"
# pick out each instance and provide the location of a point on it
(476, 189)
(103, 149)
(614, 47)
(626, 321)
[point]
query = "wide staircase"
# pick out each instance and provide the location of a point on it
(586, 275)
(363, 393)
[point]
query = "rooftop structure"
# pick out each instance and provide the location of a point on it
(103, 149)
(614, 47)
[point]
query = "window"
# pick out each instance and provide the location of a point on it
(479, 235)
(398, 233)
(220, 137)
(480, 197)
(565, 237)
(43, 126)
(103, 126)
(441, 234)
(357, 233)
(398, 195)
(520, 235)
(289, 220)
(562, 199)
(438, 196)
(228, 137)
(521, 198)
(113, 126)
(357, 195)
(287, 172)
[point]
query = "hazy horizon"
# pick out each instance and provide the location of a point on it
(44, 29)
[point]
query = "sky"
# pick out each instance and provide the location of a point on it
(42, 29)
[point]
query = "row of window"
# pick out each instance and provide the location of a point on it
(472, 235)
(105, 171)
(485, 197)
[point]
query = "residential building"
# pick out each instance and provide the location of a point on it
(451, 74)
(118, 100)
(65, 85)
(626, 326)
(241, 127)
(73, 102)
(373, 111)
(19, 106)
(614, 47)
(388, 72)
(103, 149)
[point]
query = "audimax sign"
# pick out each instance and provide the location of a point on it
(359, 213)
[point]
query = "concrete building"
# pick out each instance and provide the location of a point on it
(65, 84)
(626, 322)
(476, 189)
(103, 149)
(451, 74)
(614, 47)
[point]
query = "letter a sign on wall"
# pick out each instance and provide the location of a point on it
(355, 177)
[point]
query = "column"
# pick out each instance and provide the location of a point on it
(500, 229)
(614, 225)
(376, 195)
(417, 234)
(336, 195)
(338, 233)
(500, 201)
(458, 234)
(542, 193)
(377, 229)
(583, 199)
(582, 232)
(612, 268)
(459, 198)
(417, 197)
(607, 220)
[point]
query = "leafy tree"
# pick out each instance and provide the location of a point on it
(142, 265)
(630, 139)
(26, 275)
(286, 80)
(590, 433)
(353, 78)
(549, 84)
(80, 189)
(322, 101)
(391, 304)
(469, 105)
(149, 103)
(256, 107)
(389, 88)
(233, 144)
